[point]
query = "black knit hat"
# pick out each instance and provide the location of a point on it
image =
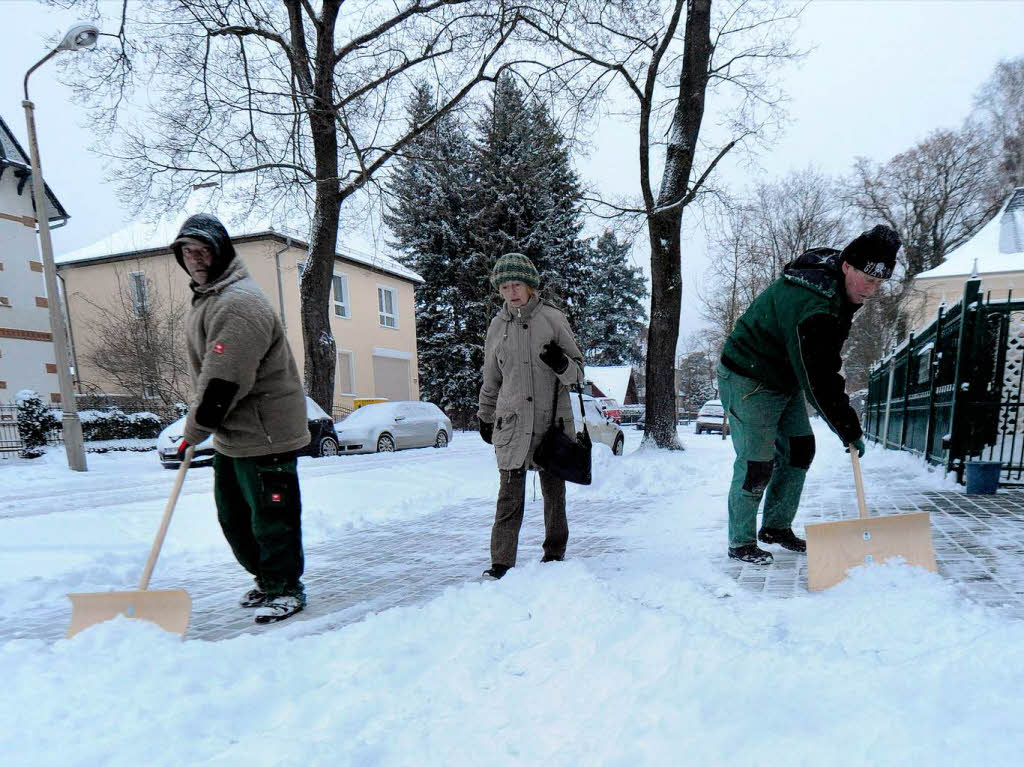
(208, 229)
(873, 252)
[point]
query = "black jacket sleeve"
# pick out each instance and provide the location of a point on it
(820, 343)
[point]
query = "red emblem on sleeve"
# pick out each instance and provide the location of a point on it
(218, 347)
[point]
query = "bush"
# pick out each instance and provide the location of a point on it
(35, 420)
(115, 424)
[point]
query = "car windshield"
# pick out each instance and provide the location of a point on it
(314, 411)
(710, 409)
(368, 414)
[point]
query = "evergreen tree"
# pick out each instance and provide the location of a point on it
(612, 314)
(528, 194)
(430, 196)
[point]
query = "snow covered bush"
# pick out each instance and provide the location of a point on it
(116, 424)
(35, 420)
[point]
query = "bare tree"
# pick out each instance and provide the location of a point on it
(290, 105)
(999, 108)
(667, 57)
(138, 341)
(759, 234)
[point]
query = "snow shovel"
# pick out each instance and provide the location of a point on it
(170, 609)
(835, 547)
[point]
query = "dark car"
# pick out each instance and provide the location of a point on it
(322, 439)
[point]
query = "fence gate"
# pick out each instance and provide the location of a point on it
(952, 393)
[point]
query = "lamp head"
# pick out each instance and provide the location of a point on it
(78, 37)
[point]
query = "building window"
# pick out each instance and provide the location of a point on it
(346, 383)
(387, 305)
(339, 283)
(140, 299)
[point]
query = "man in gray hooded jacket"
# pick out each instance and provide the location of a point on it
(247, 393)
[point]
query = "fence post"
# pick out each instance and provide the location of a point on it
(888, 402)
(964, 355)
(929, 433)
(907, 372)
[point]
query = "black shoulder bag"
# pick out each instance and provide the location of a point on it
(557, 454)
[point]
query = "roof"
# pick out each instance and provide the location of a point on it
(13, 156)
(611, 380)
(996, 247)
(151, 239)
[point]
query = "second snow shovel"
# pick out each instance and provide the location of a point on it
(835, 547)
(170, 609)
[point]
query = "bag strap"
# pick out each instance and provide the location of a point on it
(554, 406)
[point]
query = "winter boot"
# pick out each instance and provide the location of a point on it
(750, 553)
(785, 537)
(497, 571)
(253, 598)
(551, 558)
(282, 606)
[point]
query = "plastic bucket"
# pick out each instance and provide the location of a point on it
(983, 477)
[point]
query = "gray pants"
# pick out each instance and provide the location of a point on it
(509, 516)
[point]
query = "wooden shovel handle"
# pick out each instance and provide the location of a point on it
(862, 505)
(166, 521)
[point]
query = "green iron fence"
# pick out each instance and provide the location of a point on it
(952, 392)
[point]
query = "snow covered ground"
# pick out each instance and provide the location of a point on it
(649, 656)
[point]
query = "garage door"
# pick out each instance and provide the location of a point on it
(391, 378)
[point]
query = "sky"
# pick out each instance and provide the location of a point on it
(881, 75)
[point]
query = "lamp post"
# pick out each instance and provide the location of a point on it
(78, 37)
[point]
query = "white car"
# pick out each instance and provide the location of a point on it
(384, 427)
(600, 427)
(322, 440)
(711, 418)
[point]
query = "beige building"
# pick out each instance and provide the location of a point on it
(995, 253)
(27, 359)
(372, 303)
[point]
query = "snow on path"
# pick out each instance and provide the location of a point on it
(642, 656)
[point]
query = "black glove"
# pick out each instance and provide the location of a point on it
(486, 431)
(554, 357)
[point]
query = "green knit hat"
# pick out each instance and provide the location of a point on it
(515, 267)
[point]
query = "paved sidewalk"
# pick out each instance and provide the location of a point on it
(978, 540)
(979, 543)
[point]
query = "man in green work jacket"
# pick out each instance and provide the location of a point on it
(784, 348)
(248, 394)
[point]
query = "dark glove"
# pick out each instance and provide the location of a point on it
(181, 450)
(859, 445)
(554, 357)
(486, 431)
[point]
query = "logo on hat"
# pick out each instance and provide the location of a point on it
(874, 269)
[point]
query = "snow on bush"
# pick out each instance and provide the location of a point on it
(35, 420)
(115, 424)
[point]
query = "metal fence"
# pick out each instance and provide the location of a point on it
(952, 392)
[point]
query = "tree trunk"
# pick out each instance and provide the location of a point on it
(664, 227)
(317, 338)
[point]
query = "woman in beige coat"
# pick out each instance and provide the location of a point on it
(529, 355)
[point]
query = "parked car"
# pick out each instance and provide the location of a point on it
(599, 426)
(384, 427)
(609, 407)
(322, 439)
(711, 418)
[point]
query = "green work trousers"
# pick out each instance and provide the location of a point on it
(259, 509)
(774, 446)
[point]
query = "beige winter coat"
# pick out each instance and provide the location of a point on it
(235, 338)
(518, 387)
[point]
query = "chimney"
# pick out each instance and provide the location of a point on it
(1011, 226)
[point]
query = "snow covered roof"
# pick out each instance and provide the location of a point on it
(141, 236)
(997, 247)
(611, 380)
(12, 156)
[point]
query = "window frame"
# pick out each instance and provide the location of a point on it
(138, 280)
(344, 303)
(351, 370)
(381, 314)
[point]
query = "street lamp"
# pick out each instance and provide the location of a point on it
(78, 37)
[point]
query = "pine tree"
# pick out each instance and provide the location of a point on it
(612, 316)
(428, 216)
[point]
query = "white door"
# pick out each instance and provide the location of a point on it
(404, 426)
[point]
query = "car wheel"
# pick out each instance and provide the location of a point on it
(328, 446)
(385, 444)
(617, 447)
(441, 440)
(696, 430)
